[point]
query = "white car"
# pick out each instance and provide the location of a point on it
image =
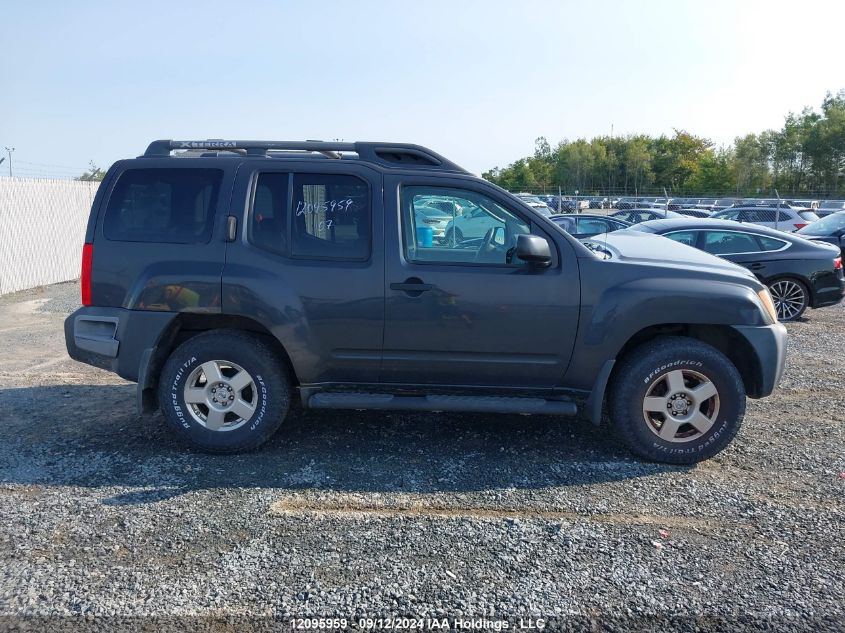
(473, 223)
(789, 220)
(534, 202)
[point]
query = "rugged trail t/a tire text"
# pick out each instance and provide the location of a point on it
(224, 391)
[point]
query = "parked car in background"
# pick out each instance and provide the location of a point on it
(826, 207)
(585, 225)
(535, 203)
(800, 274)
(434, 217)
(635, 216)
(830, 229)
(723, 203)
(784, 219)
(694, 213)
(804, 204)
(599, 202)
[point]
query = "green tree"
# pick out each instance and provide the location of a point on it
(94, 173)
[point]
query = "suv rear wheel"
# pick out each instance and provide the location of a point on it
(676, 400)
(224, 391)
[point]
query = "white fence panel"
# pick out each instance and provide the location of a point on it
(42, 227)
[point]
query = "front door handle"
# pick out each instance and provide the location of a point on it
(756, 266)
(413, 286)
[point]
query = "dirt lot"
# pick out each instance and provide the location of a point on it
(374, 514)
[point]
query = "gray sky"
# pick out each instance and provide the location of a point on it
(476, 81)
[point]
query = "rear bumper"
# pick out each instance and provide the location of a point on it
(769, 344)
(828, 290)
(114, 339)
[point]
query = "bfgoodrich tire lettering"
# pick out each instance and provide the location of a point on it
(224, 391)
(676, 400)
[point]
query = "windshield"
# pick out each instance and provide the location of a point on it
(825, 226)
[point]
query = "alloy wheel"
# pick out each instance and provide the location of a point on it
(220, 395)
(681, 405)
(789, 299)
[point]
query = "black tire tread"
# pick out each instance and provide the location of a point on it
(274, 370)
(625, 387)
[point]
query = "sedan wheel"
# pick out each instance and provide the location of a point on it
(790, 298)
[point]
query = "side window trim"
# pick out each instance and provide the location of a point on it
(249, 233)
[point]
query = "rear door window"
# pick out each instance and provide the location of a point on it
(331, 217)
(729, 243)
(684, 237)
(162, 205)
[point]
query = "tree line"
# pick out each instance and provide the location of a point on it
(805, 157)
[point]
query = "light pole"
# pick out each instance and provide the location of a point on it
(9, 151)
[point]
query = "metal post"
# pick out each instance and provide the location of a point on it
(575, 201)
(559, 199)
(777, 212)
(9, 151)
(666, 205)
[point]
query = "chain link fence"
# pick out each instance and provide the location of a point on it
(42, 228)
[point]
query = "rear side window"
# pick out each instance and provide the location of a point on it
(810, 216)
(162, 205)
(729, 242)
(684, 237)
(332, 217)
(771, 243)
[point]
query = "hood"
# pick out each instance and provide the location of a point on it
(636, 247)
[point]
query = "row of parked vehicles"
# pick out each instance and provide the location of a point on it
(796, 254)
(704, 206)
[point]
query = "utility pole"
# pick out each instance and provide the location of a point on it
(9, 151)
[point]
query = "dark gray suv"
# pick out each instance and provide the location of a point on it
(228, 277)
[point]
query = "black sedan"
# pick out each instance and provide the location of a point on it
(799, 273)
(584, 225)
(635, 216)
(830, 229)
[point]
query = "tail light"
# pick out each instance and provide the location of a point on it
(85, 277)
(837, 263)
(799, 226)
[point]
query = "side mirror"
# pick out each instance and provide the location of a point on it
(533, 249)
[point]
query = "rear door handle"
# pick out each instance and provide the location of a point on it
(412, 287)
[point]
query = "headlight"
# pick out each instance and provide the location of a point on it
(768, 304)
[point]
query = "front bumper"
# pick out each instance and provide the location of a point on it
(769, 345)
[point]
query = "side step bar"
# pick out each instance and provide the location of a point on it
(479, 404)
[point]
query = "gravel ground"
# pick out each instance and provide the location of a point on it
(377, 515)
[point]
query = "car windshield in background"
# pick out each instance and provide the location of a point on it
(839, 205)
(825, 226)
(810, 216)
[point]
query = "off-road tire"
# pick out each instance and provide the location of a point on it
(272, 389)
(645, 367)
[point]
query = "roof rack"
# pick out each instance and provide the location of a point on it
(386, 154)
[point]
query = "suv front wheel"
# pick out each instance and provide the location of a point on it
(224, 391)
(676, 400)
